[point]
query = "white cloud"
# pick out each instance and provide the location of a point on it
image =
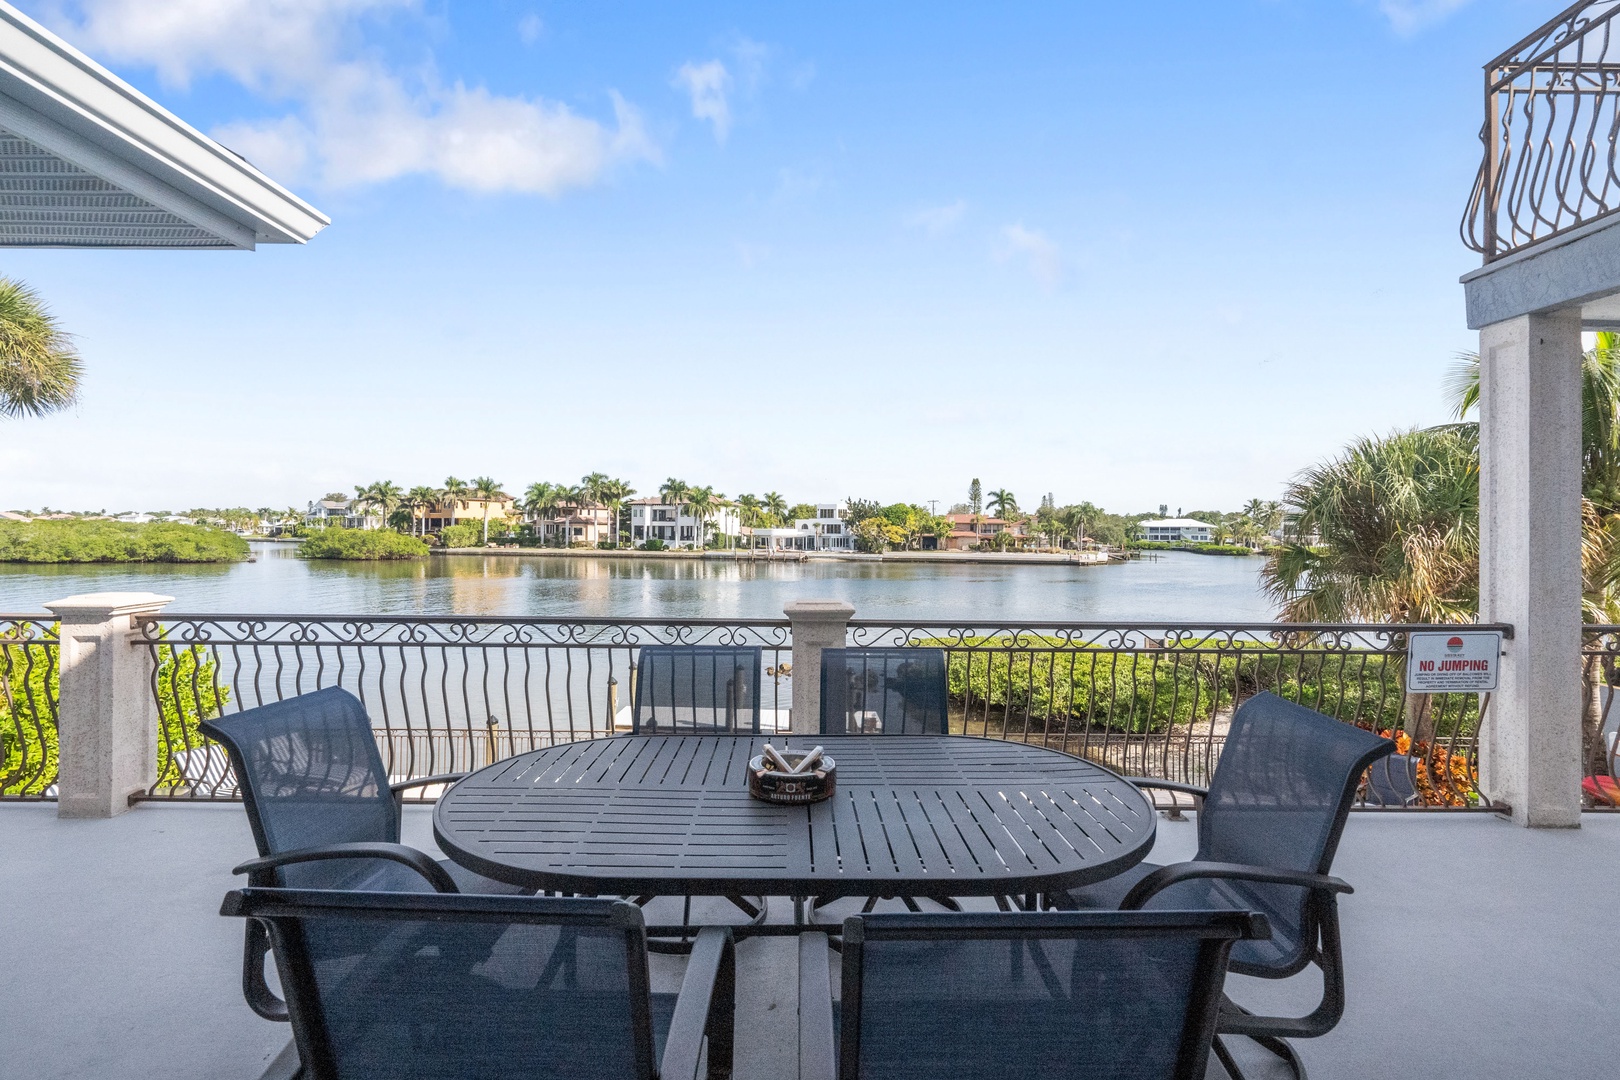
(937, 219)
(530, 27)
(354, 119)
(1410, 16)
(708, 84)
(1044, 259)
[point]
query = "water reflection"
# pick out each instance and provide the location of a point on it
(1177, 587)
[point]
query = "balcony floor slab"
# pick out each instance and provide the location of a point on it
(1475, 948)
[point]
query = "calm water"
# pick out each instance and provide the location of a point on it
(1176, 588)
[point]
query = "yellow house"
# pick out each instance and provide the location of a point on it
(468, 508)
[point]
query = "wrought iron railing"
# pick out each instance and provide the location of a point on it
(1156, 699)
(445, 693)
(28, 692)
(1600, 716)
(1552, 116)
(451, 693)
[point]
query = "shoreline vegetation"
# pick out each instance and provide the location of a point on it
(361, 545)
(99, 541)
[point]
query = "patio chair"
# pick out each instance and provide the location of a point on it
(489, 988)
(1601, 786)
(1098, 995)
(696, 689)
(323, 813)
(1268, 827)
(883, 691)
(1392, 782)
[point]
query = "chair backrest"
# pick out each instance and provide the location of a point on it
(311, 775)
(1393, 781)
(1099, 995)
(475, 987)
(696, 688)
(883, 691)
(1280, 796)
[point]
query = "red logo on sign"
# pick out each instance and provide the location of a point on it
(1454, 645)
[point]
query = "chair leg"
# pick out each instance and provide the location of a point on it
(1224, 1056)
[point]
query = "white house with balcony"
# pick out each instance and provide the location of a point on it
(828, 530)
(338, 512)
(676, 525)
(1177, 531)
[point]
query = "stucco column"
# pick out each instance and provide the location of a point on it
(1530, 562)
(817, 625)
(106, 716)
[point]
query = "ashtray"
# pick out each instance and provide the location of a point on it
(779, 776)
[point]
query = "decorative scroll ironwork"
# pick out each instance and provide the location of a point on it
(28, 694)
(1156, 699)
(446, 693)
(1552, 117)
(451, 693)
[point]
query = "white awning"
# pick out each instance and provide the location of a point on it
(87, 161)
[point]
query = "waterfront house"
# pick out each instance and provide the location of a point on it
(1177, 531)
(828, 530)
(675, 525)
(970, 530)
(335, 510)
(584, 524)
(469, 509)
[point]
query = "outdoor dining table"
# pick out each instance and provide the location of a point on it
(921, 816)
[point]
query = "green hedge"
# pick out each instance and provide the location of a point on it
(28, 677)
(94, 541)
(466, 534)
(362, 544)
(1149, 690)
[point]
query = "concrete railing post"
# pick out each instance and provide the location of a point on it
(106, 724)
(817, 625)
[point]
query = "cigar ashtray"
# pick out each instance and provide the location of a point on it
(789, 789)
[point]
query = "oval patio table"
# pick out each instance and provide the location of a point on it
(932, 816)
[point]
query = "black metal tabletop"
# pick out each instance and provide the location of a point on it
(913, 815)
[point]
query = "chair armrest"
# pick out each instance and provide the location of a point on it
(258, 870)
(1167, 785)
(706, 1005)
(1166, 876)
(443, 778)
(255, 988)
(818, 1047)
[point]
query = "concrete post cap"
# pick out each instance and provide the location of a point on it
(819, 609)
(98, 607)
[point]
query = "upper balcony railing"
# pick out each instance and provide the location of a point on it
(1552, 117)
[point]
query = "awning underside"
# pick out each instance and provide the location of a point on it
(48, 202)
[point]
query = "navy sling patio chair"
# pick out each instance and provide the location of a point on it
(323, 813)
(488, 988)
(696, 690)
(883, 691)
(1097, 995)
(1268, 827)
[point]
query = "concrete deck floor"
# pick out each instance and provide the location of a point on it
(1475, 949)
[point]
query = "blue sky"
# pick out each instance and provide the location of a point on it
(822, 249)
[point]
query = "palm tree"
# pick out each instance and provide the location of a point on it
(1003, 504)
(613, 494)
(1600, 415)
(777, 507)
(39, 369)
(421, 498)
(543, 499)
(485, 488)
(452, 491)
(1389, 531)
(704, 505)
(381, 495)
